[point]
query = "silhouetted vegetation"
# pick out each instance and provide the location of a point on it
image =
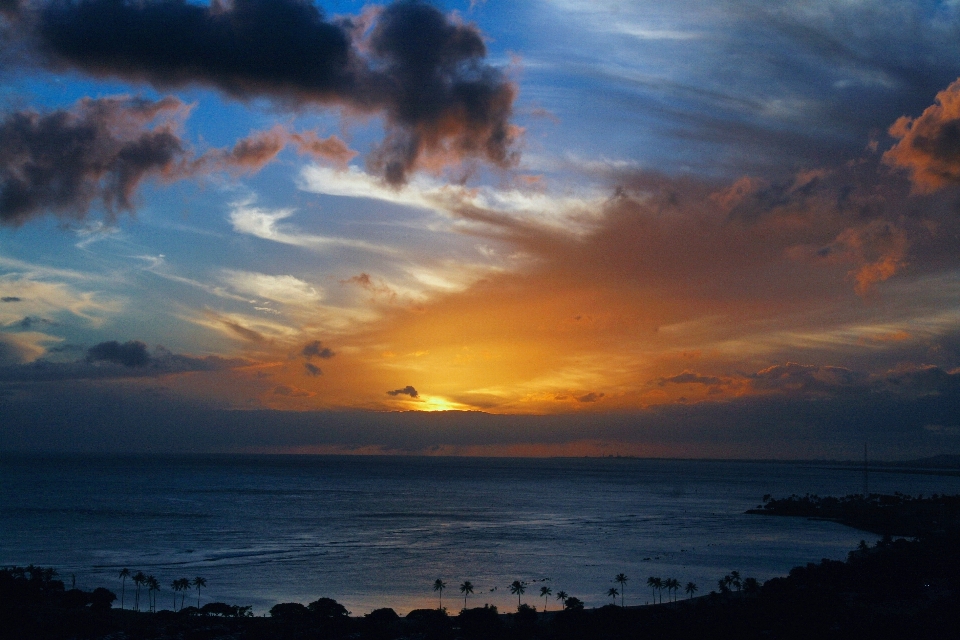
(892, 589)
(894, 515)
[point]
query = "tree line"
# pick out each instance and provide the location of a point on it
(140, 580)
(671, 585)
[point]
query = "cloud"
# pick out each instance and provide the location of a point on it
(590, 397)
(129, 354)
(312, 369)
(316, 349)
(24, 362)
(10, 299)
(406, 391)
(252, 153)
(424, 72)
(28, 322)
(285, 289)
(100, 150)
(688, 377)
(928, 146)
(95, 418)
(291, 392)
(15, 351)
(269, 224)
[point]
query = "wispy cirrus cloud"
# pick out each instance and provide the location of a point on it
(269, 224)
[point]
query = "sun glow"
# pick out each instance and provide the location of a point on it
(437, 403)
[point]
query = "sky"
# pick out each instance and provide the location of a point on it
(709, 229)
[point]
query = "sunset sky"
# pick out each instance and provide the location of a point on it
(720, 229)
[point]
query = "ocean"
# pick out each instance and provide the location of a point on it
(375, 532)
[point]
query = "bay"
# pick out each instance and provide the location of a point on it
(377, 531)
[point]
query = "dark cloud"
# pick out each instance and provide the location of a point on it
(30, 321)
(312, 369)
(101, 150)
(244, 332)
(793, 377)
(290, 392)
(423, 71)
(689, 378)
(10, 8)
(316, 349)
(129, 354)
(107, 360)
(406, 391)
(590, 397)
(10, 299)
(92, 417)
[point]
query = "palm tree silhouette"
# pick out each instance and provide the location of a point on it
(440, 585)
(652, 583)
(613, 593)
(179, 586)
(724, 584)
(672, 584)
(199, 582)
(184, 587)
(518, 588)
(622, 579)
(124, 574)
(691, 589)
(545, 591)
(466, 589)
(154, 586)
(562, 597)
(735, 580)
(139, 579)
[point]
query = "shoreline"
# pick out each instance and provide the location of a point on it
(852, 597)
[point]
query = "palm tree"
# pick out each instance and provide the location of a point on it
(691, 589)
(466, 589)
(139, 579)
(545, 591)
(199, 582)
(177, 586)
(124, 574)
(154, 586)
(518, 588)
(724, 584)
(653, 583)
(735, 580)
(562, 597)
(440, 585)
(184, 587)
(613, 593)
(672, 584)
(622, 579)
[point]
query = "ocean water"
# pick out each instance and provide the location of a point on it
(376, 532)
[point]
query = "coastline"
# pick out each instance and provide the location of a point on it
(856, 598)
(897, 585)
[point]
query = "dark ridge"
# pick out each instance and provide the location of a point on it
(894, 515)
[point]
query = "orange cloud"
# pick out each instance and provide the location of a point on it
(928, 146)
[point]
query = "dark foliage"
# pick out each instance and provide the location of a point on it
(895, 589)
(895, 515)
